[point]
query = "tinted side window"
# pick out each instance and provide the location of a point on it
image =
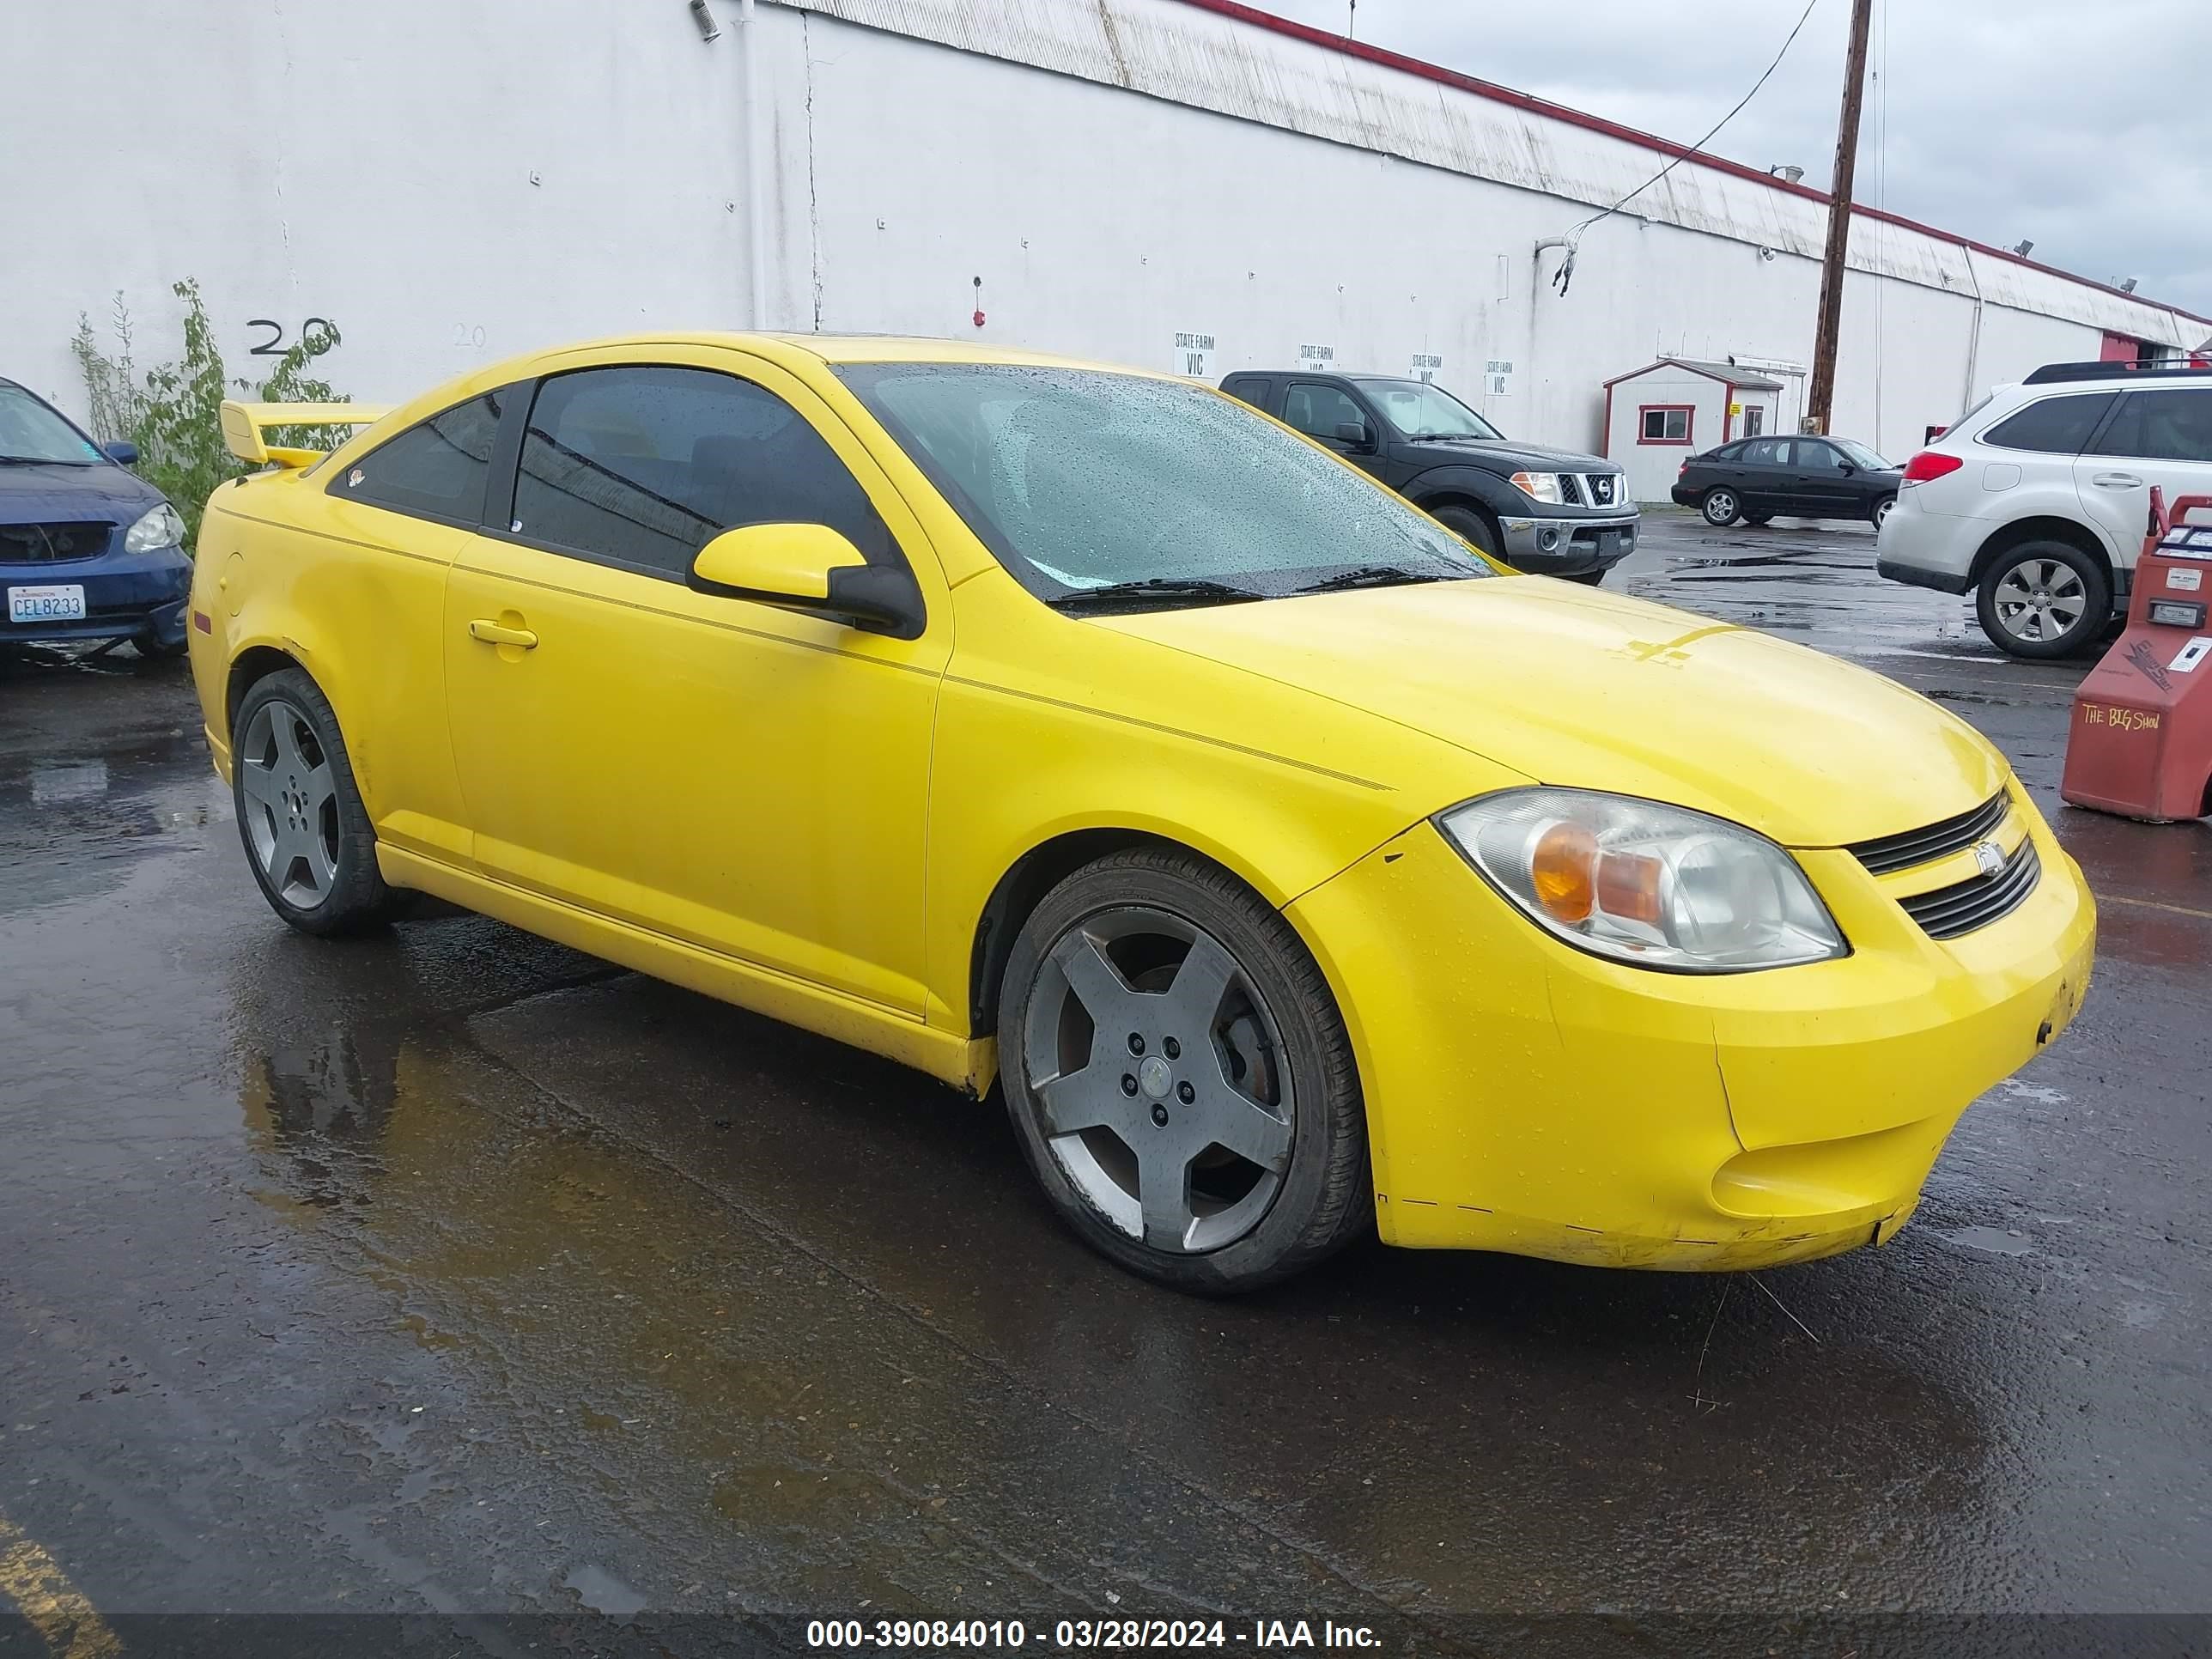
(437, 470)
(2162, 426)
(2056, 426)
(1252, 388)
(1318, 411)
(1767, 451)
(645, 466)
(1818, 456)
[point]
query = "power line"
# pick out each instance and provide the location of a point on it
(1574, 237)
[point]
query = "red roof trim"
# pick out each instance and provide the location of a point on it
(1672, 362)
(1496, 94)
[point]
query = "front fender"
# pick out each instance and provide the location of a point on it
(1442, 482)
(1072, 726)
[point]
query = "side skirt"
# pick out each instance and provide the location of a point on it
(965, 1063)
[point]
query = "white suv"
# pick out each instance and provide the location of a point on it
(2038, 498)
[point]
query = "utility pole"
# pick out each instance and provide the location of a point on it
(1820, 399)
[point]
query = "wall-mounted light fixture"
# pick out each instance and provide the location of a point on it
(2024, 247)
(1767, 254)
(708, 29)
(2128, 286)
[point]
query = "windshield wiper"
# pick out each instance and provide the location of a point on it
(1436, 437)
(31, 460)
(1166, 590)
(1366, 576)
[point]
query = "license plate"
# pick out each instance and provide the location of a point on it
(63, 602)
(1609, 541)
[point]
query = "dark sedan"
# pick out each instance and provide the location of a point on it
(88, 550)
(1756, 479)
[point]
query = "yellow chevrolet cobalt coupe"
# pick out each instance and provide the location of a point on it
(1295, 870)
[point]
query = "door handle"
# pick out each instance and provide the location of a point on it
(2117, 481)
(492, 632)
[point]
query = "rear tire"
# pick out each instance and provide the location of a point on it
(1722, 507)
(1881, 509)
(1472, 528)
(1179, 1079)
(2044, 600)
(1758, 521)
(300, 816)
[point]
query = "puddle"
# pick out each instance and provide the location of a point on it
(1991, 1241)
(603, 1592)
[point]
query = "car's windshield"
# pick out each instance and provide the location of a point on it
(1421, 410)
(1081, 481)
(1859, 455)
(29, 431)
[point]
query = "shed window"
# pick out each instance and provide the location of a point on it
(1665, 423)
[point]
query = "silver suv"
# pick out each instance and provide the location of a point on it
(2038, 498)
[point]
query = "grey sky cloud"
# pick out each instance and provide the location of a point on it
(2071, 123)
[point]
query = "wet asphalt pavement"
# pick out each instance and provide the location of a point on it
(452, 1273)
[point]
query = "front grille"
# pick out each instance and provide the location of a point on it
(1601, 489)
(1887, 853)
(1571, 489)
(53, 544)
(1979, 901)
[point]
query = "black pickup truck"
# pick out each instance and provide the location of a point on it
(1547, 510)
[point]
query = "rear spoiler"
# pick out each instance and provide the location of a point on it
(244, 423)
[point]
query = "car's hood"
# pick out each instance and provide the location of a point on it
(1573, 686)
(39, 494)
(1499, 455)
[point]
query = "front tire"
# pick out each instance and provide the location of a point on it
(1179, 1078)
(306, 831)
(151, 648)
(1721, 507)
(1472, 528)
(2042, 600)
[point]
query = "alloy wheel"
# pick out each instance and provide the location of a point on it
(291, 803)
(2039, 600)
(1721, 507)
(1161, 1075)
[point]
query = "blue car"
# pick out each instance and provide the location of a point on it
(88, 550)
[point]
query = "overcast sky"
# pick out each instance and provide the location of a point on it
(2073, 122)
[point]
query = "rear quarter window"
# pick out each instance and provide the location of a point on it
(2053, 426)
(435, 469)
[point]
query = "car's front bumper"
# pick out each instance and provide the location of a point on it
(1554, 546)
(126, 595)
(1522, 1096)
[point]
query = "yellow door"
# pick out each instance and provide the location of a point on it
(731, 774)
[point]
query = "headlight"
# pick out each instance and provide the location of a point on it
(1657, 886)
(1539, 486)
(160, 528)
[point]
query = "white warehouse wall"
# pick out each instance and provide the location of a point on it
(454, 184)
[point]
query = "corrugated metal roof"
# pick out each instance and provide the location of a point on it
(1727, 371)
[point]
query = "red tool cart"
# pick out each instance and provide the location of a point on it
(2141, 744)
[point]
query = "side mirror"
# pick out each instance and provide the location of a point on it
(1847, 468)
(813, 568)
(1356, 434)
(122, 454)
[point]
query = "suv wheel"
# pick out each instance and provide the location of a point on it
(1472, 528)
(2043, 599)
(1721, 507)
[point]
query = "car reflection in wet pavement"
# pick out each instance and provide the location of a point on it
(449, 1271)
